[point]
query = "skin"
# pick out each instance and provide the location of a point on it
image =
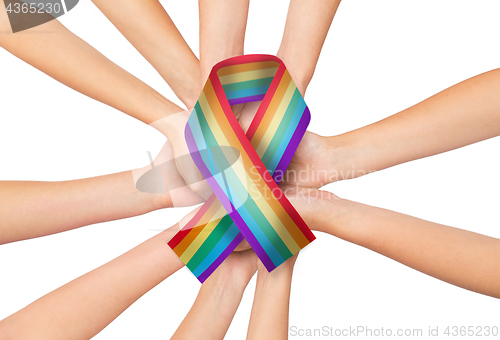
(220, 295)
(173, 127)
(299, 36)
(299, 49)
(34, 209)
(222, 31)
(84, 306)
(456, 256)
(71, 61)
(218, 299)
(222, 35)
(459, 257)
(148, 27)
(463, 114)
(269, 318)
(65, 57)
(306, 27)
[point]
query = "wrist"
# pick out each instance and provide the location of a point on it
(227, 50)
(232, 277)
(279, 280)
(188, 81)
(280, 276)
(223, 289)
(346, 158)
(146, 201)
(300, 74)
(161, 201)
(159, 107)
(344, 219)
(150, 201)
(172, 126)
(168, 261)
(189, 91)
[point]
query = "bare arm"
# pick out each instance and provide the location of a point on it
(462, 258)
(56, 51)
(59, 53)
(83, 307)
(463, 114)
(269, 318)
(219, 298)
(34, 209)
(306, 27)
(148, 27)
(222, 31)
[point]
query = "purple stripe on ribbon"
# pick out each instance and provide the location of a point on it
(294, 142)
(252, 240)
(242, 100)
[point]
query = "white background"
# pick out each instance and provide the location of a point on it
(379, 58)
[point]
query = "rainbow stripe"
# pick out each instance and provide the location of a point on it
(247, 202)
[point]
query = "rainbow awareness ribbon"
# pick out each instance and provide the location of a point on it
(244, 170)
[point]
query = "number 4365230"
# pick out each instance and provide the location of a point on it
(471, 331)
(33, 8)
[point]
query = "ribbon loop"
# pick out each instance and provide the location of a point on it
(247, 202)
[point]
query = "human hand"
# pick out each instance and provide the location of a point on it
(313, 164)
(284, 269)
(173, 127)
(163, 179)
(218, 299)
(237, 269)
(310, 151)
(313, 205)
(269, 317)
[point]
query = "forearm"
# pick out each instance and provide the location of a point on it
(222, 31)
(462, 258)
(83, 307)
(463, 114)
(34, 209)
(148, 27)
(56, 51)
(213, 310)
(306, 28)
(269, 318)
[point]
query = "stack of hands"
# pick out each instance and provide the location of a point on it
(460, 115)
